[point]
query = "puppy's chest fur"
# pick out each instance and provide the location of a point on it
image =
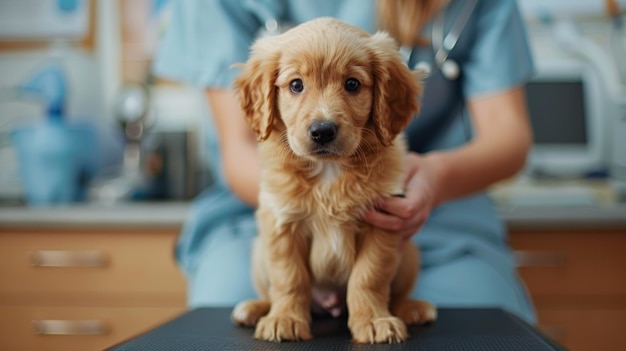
(325, 204)
(337, 202)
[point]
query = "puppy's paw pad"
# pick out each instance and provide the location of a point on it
(416, 312)
(386, 330)
(247, 313)
(279, 328)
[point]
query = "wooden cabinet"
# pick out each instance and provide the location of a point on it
(577, 280)
(80, 288)
(85, 289)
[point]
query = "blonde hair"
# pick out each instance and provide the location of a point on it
(404, 19)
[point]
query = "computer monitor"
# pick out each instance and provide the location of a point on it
(568, 112)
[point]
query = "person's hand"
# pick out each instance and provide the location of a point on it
(407, 214)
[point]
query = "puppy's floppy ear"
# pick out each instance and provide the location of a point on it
(256, 90)
(396, 89)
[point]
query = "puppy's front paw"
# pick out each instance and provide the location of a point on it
(415, 311)
(247, 313)
(379, 330)
(279, 328)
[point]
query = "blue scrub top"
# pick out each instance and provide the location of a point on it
(205, 37)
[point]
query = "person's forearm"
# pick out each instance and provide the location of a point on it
(242, 170)
(238, 146)
(498, 150)
(475, 167)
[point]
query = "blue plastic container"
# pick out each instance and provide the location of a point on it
(56, 161)
(56, 158)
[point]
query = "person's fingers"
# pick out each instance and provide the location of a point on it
(394, 223)
(404, 208)
(383, 220)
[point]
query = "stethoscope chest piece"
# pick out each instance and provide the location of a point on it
(423, 66)
(450, 69)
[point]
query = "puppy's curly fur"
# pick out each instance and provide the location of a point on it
(328, 103)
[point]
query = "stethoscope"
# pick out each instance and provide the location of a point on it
(449, 68)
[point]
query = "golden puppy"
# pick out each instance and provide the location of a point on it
(328, 102)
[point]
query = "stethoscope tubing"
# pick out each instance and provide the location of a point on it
(449, 68)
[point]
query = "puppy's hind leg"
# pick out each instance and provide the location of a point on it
(409, 311)
(414, 311)
(247, 313)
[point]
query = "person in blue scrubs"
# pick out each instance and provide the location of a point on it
(472, 131)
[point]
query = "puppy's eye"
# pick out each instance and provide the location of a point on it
(352, 85)
(296, 86)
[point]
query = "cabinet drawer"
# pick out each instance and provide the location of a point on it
(79, 261)
(585, 330)
(80, 329)
(572, 263)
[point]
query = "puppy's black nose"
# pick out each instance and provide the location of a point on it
(323, 132)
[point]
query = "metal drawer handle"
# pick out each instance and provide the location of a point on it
(60, 258)
(540, 258)
(69, 327)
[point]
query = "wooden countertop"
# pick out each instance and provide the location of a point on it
(146, 215)
(173, 214)
(606, 217)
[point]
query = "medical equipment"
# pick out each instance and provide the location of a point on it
(449, 68)
(446, 43)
